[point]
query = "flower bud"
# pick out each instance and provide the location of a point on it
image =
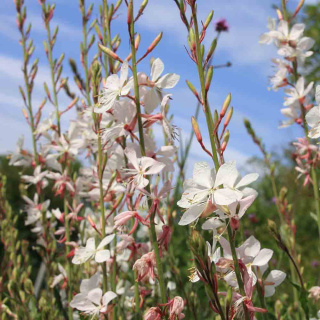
(208, 20)
(209, 78)
(109, 52)
(225, 105)
(196, 129)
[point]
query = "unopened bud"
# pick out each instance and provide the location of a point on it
(141, 9)
(152, 45)
(208, 20)
(229, 116)
(211, 49)
(130, 13)
(225, 105)
(209, 78)
(109, 52)
(196, 129)
(193, 89)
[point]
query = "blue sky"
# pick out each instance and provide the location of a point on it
(247, 79)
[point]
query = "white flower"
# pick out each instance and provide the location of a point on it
(275, 278)
(20, 157)
(141, 167)
(90, 251)
(115, 87)
(313, 117)
(60, 277)
(38, 178)
(250, 253)
(204, 190)
(268, 37)
(298, 92)
(291, 113)
(153, 97)
(90, 299)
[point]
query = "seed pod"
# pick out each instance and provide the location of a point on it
(209, 78)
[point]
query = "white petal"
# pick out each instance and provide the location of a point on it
(124, 72)
(226, 196)
(192, 214)
(132, 156)
(89, 284)
(155, 168)
(95, 295)
(276, 276)
(250, 247)
(313, 116)
(227, 175)
(90, 245)
(107, 297)
(202, 174)
(296, 31)
(168, 81)
(263, 257)
(156, 69)
(247, 179)
(106, 241)
(151, 100)
(102, 256)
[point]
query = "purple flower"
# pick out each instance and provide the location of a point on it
(222, 25)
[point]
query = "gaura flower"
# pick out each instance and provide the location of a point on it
(90, 251)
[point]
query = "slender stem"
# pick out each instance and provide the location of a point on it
(153, 235)
(262, 300)
(69, 264)
(52, 71)
(29, 93)
(236, 268)
(210, 126)
(114, 273)
(85, 51)
(206, 106)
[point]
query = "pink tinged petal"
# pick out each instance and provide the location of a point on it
(106, 241)
(263, 257)
(227, 175)
(107, 297)
(102, 256)
(192, 214)
(202, 175)
(156, 69)
(168, 81)
(95, 296)
(247, 179)
(164, 102)
(132, 156)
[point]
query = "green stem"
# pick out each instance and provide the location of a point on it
(69, 264)
(206, 106)
(52, 71)
(153, 235)
(237, 269)
(29, 92)
(262, 300)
